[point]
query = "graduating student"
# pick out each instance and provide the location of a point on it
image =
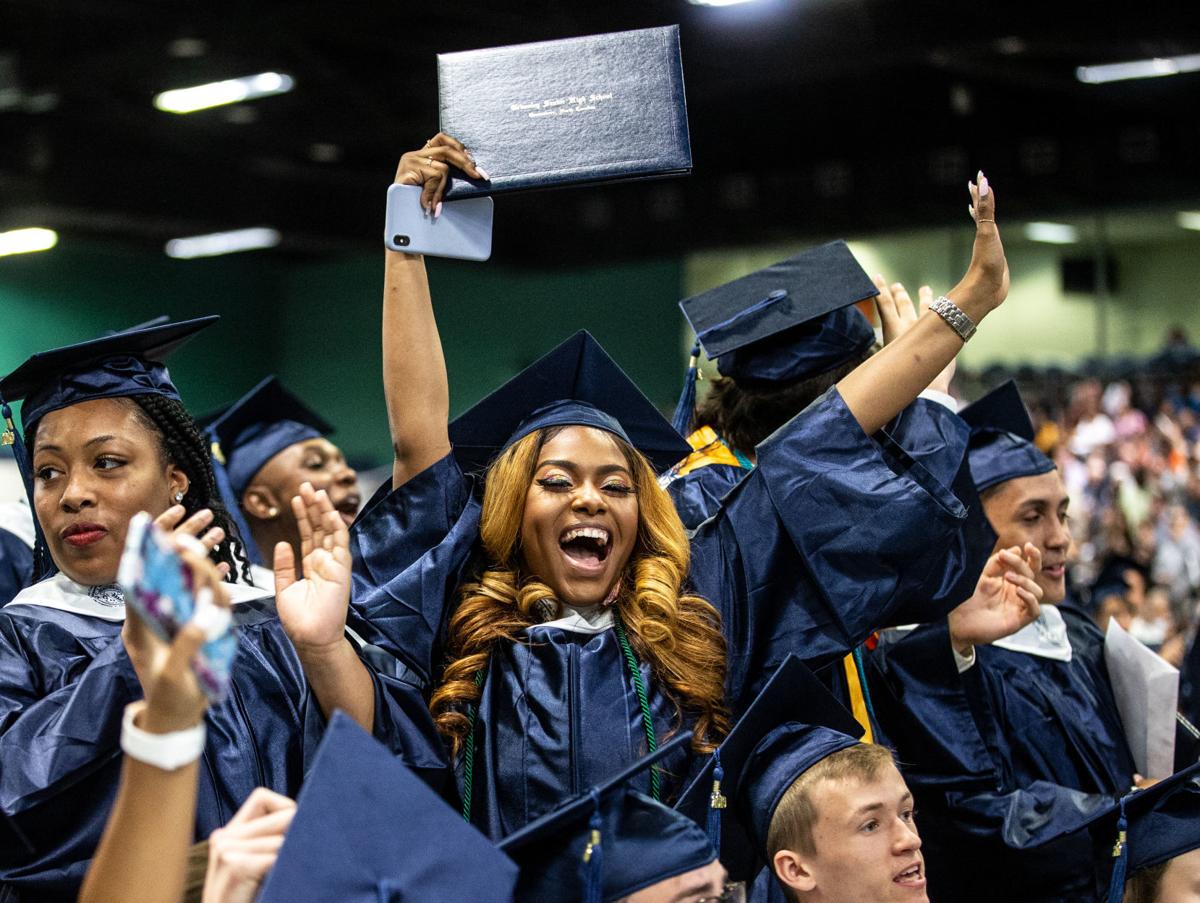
(1006, 717)
(792, 788)
(105, 436)
(264, 446)
(563, 622)
(782, 336)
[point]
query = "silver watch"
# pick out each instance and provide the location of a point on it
(953, 314)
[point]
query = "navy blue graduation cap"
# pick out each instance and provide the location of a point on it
(1001, 445)
(576, 384)
(368, 829)
(608, 843)
(792, 724)
(791, 320)
(249, 433)
(115, 365)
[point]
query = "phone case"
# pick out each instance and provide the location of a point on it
(158, 585)
(463, 231)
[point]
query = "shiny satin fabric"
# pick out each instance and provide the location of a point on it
(64, 682)
(1005, 760)
(560, 714)
(822, 543)
(16, 565)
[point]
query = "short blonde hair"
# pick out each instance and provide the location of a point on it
(794, 818)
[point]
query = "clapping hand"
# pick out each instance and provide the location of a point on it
(196, 527)
(897, 315)
(1006, 598)
(429, 167)
(312, 607)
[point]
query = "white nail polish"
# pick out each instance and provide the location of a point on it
(983, 188)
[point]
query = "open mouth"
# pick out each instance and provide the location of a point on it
(348, 508)
(586, 547)
(912, 876)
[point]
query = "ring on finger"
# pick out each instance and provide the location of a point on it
(429, 161)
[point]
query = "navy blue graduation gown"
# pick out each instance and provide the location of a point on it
(819, 545)
(65, 680)
(16, 565)
(1004, 760)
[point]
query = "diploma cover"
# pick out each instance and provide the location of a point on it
(600, 108)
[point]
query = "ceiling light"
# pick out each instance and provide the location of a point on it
(1052, 233)
(214, 94)
(25, 241)
(717, 2)
(1155, 68)
(222, 243)
(1189, 219)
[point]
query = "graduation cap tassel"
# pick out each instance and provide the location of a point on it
(232, 502)
(716, 803)
(687, 398)
(1116, 886)
(593, 856)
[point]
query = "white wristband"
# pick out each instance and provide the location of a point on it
(165, 751)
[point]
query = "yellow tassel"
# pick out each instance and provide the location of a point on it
(216, 452)
(1119, 845)
(716, 799)
(9, 437)
(592, 844)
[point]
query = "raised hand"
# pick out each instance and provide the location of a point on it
(985, 285)
(174, 700)
(1006, 598)
(241, 853)
(312, 606)
(429, 167)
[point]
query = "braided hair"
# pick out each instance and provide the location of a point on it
(184, 446)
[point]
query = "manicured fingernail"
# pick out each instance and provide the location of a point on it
(437, 211)
(971, 210)
(483, 174)
(983, 187)
(979, 177)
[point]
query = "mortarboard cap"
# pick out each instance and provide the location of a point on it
(1001, 445)
(576, 384)
(792, 724)
(257, 427)
(630, 842)
(791, 320)
(122, 364)
(368, 829)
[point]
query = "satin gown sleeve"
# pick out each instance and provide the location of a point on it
(409, 548)
(833, 535)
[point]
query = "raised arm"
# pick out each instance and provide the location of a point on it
(414, 368)
(887, 382)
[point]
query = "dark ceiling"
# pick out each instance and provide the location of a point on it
(813, 117)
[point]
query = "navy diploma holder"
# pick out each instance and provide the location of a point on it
(594, 109)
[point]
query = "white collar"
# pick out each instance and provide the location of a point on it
(593, 619)
(105, 602)
(1046, 637)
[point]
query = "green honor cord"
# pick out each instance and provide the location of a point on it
(643, 702)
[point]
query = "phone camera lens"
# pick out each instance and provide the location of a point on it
(400, 241)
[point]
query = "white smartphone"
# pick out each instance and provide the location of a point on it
(463, 231)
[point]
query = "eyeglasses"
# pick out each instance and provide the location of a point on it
(734, 892)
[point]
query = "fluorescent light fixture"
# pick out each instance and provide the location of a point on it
(1189, 219)
(222, 243)
(214, 94)
(1155, 68)
(717, 2)
(1052, 233)
(25, 241)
